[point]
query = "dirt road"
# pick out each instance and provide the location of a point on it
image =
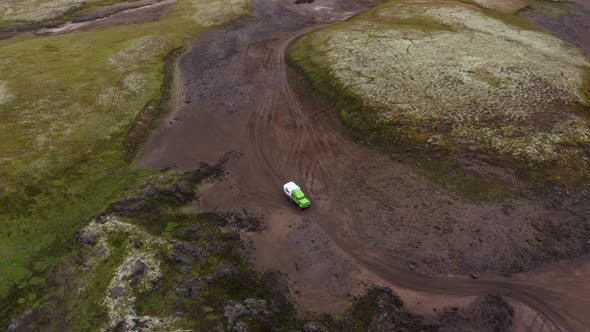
(369, 213)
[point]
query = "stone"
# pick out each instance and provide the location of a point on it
(194, 292)
(184, 189)
(116, 292)
(223, 271)
(136, 243)
(102, 252)
(251, 308)
(240, 327)
(182, 292)
(232, 312)
(86, 239)
(138, 271)
(312, 326)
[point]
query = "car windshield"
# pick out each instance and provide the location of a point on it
(299, 194)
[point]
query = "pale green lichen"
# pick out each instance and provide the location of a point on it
(141, 51)
(505, 6)
(5, 94)
(216, 12)
(121, 308)
(36, 10)
(134, 83)
(487, 81)
(527, 144)
(110, 97)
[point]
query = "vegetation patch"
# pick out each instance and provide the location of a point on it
(62, 133)
(504, 6)
(37, 12)
(4, 93)
(214, 12)
(155, 268)
(447, 76)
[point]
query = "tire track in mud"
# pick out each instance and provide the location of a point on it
(283, 136)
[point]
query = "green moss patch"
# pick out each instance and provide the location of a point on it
(67, 103)
(38, 12)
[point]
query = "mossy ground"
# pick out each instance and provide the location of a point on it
(433, 118)
(72, 99)
(47, 12)
(207, 311)
(76, 296)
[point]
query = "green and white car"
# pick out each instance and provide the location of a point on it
(296, 195)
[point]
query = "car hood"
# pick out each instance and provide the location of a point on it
(304, 202)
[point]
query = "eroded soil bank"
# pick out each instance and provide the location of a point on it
(374, 220)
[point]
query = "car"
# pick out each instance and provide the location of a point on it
(296, 195)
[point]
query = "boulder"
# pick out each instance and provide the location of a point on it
(87, 239)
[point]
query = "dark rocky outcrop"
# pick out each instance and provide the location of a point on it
(172, 188)
(86, 239)
(381, 310)
(253, 308)
(491, 313)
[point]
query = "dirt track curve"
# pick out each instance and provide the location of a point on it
(234, 96)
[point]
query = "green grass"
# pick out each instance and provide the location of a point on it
(87, 312)
(40, 17)
(36, 230)
(61, 161)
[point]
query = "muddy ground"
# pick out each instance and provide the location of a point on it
(374, 220)
(568, 20)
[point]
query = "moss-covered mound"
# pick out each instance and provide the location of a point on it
(450, 76)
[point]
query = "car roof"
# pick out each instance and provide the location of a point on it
(291, 186)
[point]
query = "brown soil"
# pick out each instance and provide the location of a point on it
(566, 19)
(373, 220)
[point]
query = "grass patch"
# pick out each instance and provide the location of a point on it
(87, 310)
(72, 100)
(47, 12)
